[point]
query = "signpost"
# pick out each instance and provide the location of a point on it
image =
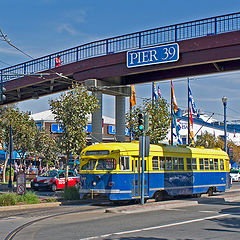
(153, 55)
(21, 183)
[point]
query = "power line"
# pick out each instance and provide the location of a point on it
(26, 54)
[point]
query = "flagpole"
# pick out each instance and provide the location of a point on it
(171, 116)
(188, 114)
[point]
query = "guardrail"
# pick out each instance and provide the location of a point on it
(157, 36)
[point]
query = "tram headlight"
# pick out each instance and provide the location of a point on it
(94, 183)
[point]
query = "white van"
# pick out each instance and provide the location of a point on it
(235, 175)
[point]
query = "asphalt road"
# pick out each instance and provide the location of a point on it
(212, 218)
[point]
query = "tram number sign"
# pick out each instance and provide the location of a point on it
(153, 55)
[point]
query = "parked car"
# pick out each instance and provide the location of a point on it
(235, 175)
(54, 180)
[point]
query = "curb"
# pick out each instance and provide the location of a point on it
(232, 198)
(152, 206)
(30, 206)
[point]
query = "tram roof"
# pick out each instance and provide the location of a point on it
(134, 146)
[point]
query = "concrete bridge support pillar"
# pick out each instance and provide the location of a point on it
(120, 118)
(97, 119)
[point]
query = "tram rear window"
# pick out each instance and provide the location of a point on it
(106, 164)
(100, 152)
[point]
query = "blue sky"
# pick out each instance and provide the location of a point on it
(46, 26)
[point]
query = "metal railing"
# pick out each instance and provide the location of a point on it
(157, 36)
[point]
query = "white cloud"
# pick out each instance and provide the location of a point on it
(67, 28)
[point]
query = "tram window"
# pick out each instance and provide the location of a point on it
(168, 163)
(216, 164)
(106, 164)
(175, 163)
(180, 164)
(211, 164)
(124, 163)
(155, 163)
(221, 164)
(162, 163)
(206, 164)
(201, 163)
(189, 164)
(89, 165)
(194, 163)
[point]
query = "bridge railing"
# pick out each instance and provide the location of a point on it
(157, 36)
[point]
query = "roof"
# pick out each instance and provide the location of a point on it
(48, 116)
(134, 146)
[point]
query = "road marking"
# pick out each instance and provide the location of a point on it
(155, 227)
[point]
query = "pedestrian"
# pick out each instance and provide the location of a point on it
(58, 61)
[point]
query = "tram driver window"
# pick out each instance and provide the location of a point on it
(162, 163)
(124, 163)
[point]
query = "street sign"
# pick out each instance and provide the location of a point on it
(146, 146)
(153, 55)
(21, 183)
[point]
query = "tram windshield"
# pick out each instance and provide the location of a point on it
(106, 164)
(90, 165)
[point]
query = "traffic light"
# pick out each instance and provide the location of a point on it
(2, 94)
(140, 122)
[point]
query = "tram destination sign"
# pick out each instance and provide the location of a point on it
(153, 55)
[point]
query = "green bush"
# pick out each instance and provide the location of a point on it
(71, 193)
(30, 198)
(8, 199)
(49, 200)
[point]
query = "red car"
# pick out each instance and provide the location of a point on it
(54, 180)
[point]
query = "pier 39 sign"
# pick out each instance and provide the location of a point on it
(153, 55)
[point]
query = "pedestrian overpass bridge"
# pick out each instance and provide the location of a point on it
(206, 46)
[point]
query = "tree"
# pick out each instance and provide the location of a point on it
(23, 128)
(207, 140)
(159, 120)
(46, 147)
(71, 113)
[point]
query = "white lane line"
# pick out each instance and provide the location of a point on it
(156, 227)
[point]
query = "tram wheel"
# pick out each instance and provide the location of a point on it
(159, 196)
(210, 191)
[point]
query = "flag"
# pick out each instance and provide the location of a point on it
(177, 128)
(155, 93)
(191, 100)
(174, 101)
(133, 96)
(191, 126)
(159, 92)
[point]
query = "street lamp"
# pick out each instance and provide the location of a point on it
(224, 101)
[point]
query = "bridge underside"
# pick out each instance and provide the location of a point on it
(199, 56)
